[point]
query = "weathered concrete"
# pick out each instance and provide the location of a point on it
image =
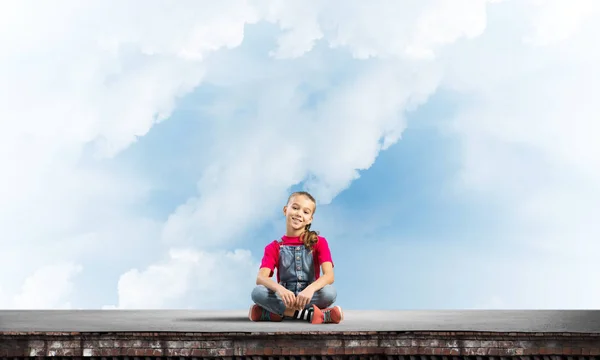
(237, 321)
(364, 335)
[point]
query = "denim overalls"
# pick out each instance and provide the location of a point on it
(296, 271)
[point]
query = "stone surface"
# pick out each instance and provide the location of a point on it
(237, 321)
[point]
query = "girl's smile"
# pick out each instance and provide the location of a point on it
(298, 213)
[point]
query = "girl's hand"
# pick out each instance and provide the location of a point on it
(287, 296)
(304, 297)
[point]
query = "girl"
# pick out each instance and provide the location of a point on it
(299, 292)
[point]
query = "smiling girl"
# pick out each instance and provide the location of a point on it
(301, 292)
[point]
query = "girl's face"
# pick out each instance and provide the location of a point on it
(299, 212)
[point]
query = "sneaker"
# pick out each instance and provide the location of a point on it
(333, 315)
(257, 313)
(316, 316)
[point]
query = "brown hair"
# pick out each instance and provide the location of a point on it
(309, 238)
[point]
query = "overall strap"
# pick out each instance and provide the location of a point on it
(280, 242)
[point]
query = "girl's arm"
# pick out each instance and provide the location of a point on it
(326, 279)
(268, 264)
(263, 278)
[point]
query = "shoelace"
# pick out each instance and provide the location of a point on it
(265, 315)
(327, 316)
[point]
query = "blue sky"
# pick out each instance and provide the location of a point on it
(455, 164)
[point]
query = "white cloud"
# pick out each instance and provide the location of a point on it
(380, 28)
(532, 129)
(530, 142)
(555, 20)
(93, 78)
(81, 79)
(108, 83)
(190, 279)
(298, 20)
(49, 287)
(343, 135)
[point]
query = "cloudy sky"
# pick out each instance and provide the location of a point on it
(148, 147)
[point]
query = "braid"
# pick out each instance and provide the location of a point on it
(310, 238)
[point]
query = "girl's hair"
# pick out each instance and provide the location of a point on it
(309, 238)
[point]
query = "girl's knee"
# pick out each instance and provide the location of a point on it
(325, 297)
(259, 294)
(329, 293)
(267, 299)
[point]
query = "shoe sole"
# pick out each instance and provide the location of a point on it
(341, 312)
(250, 313)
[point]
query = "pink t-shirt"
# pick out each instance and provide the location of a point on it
(321, 254)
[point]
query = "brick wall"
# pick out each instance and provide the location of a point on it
(442, 345)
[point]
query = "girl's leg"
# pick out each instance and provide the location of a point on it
(310, 313)
(289, 312)
(268, 306)
(324, 298)
(316, 310)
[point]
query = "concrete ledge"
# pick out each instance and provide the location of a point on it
(237, 321)
(402, 335)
